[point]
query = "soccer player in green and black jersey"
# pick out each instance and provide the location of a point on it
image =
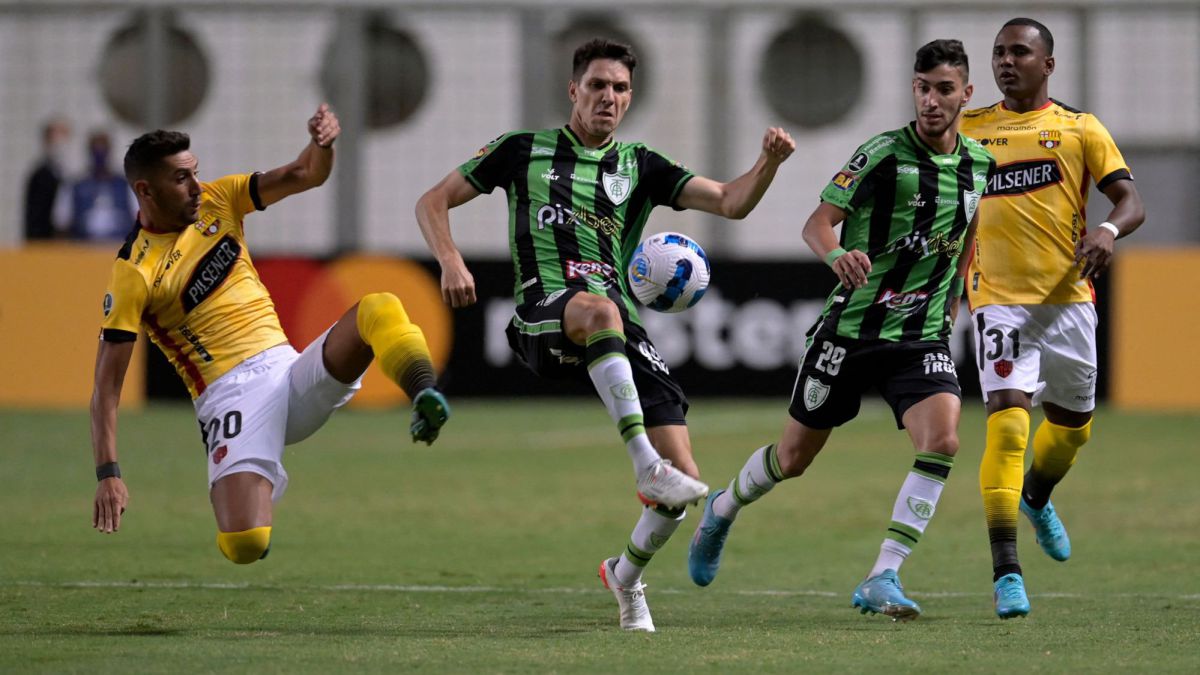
(907, 200)
(577, 202)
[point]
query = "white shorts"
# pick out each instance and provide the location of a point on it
(274, 398)
(1045, 350)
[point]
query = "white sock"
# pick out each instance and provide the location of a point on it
(891, 556)
(758, 476)
(650, 534)
(613, 378)
(914, 507)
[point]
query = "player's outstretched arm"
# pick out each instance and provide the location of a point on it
(112, 360)
(851, 267)
(313, 165)
(1095, 250)
(737, 198)
(433, 217)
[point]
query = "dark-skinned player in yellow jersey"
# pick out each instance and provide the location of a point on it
(1030, 292)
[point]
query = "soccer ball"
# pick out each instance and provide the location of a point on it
(669, 272)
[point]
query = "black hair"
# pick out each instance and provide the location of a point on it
(938, 52)
(1043, 32)
(600, 48)
(149, 149)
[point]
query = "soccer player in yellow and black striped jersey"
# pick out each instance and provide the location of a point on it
(185, 276)
(1029, 287)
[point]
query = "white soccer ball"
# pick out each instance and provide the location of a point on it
(669, 272)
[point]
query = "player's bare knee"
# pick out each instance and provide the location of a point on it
(246, 546)
(602, 315)
(587, 314)
(941, 444)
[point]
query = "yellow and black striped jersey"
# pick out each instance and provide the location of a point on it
(195, 291)
(1035, 209)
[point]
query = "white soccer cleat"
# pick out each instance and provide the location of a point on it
(635, 613)
(663, 485)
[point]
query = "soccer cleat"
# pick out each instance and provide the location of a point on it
(1009, 597)
(883, 594)
(704, 553)
(430, 412)
(635, 614)
(663, 485)
(1048, 530)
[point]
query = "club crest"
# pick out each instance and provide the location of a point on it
(921, 508)
(616, 186)
(1050, 139)
(971, 202)
(815, 393)
(1003, 367)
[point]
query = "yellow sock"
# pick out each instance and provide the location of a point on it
(1055, 448)
(1000, 480)
(246, 546)
(399, 344)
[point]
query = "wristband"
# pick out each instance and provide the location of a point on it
(833, 255)
(1111, 228)
(108, 470)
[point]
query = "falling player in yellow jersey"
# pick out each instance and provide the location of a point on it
(1029, 287)
(185, 276)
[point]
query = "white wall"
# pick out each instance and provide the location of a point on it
(1143, 80)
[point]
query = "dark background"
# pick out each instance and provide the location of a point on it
(470, 373)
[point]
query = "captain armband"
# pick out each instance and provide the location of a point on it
(117, 335)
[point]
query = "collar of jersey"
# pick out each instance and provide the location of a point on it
(575, 140)
(146, 229)
(916, 138)
(1010, 111)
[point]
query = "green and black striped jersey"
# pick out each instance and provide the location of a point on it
(575, 213)
(908, 208)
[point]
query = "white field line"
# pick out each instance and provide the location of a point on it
(418, 588)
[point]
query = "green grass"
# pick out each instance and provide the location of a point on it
(479, 554)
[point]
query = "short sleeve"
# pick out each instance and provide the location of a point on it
(855, 182)
(664, 178)
(124, 302)
(234, 193)
(1100, 153)
(495, 163)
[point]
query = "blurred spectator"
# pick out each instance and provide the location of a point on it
(42, 187)
(100, 205)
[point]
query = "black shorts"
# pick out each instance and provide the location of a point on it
(536, 335)
(837, 371)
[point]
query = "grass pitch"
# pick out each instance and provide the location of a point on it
(479, 554)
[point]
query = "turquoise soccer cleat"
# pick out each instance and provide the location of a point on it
(883, 594)
(1048, 530)
(1009, 596)
(430, 412)
(704, 553)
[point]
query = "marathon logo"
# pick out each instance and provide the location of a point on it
(1020, 178)
(582, 268)
(212, 271)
